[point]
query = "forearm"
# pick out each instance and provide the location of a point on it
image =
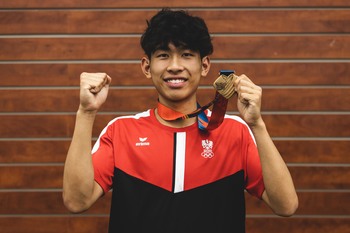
(279, 188)
(78, 178)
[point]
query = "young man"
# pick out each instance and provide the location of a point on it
(169, 175)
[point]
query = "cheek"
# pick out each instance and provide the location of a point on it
(197, 70)
(157, 69)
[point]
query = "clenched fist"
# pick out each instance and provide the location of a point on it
(249, 100)
(93, 90)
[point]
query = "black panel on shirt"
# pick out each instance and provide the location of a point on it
(138, 206)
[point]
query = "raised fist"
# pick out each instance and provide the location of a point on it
(93, 90)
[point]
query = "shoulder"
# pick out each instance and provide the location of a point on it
(238, 125)
(131, 118)
(237, 122)
(127, 121)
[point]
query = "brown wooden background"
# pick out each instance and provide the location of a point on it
(298, 51)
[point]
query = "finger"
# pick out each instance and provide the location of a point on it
(250, 89)
(245, 77)
(102, 81)
(247, 87)
(250, 97)
(242, 77)
(94, 82)
(93, 79)
(108, 80)
(105, 78)
(239, 80)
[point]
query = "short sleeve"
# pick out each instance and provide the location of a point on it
(103, 159)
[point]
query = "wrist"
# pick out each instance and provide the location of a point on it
(258, 125)
(86, 113)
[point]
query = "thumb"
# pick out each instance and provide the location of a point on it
(94, 89)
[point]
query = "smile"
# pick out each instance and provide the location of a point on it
(175, 80)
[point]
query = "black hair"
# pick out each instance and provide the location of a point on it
(179, 28)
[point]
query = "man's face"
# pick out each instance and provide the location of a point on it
(176, 73)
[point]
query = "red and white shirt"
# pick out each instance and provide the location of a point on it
(168, 179)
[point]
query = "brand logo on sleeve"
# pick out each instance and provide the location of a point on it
(207, 149)
(142, 142)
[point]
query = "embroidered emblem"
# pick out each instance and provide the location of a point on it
(142, 142)
(207, 149)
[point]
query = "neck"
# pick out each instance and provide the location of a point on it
(176, 123)
(173, 110)
(183, 107)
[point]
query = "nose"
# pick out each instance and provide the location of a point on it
(175, 65)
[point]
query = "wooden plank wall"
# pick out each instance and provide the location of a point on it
(298, 51)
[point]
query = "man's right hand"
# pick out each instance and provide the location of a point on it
(93, 91)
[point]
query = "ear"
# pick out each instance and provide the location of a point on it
(146, 67)
(205, 66)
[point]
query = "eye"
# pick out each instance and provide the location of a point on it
(188, 54)
(162, 55)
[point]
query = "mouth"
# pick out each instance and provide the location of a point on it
(175, 80)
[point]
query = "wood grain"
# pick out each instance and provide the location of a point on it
(298, 51)
(321, 177)
(93, 224)
(33, 151)
(54, 224)
(170, 3)
(50, 202)
(128, 21)
(312, 151)
(49, 176)
(45, 176)
(285, 125)
(226, 47)
(43, 202)
(320, 203)
(134, 100)
(262, 73)
(297, 225)
(292, 150)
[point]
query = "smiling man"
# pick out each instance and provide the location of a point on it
(167, 173)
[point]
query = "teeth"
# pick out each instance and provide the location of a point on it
(175, 80)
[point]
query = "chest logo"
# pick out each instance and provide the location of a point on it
(142, 142)
(207, 149)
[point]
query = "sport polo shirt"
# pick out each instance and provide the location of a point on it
(177, 180)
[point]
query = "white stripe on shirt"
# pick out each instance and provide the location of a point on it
(180, 162)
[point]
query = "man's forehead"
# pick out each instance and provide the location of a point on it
(172, 46)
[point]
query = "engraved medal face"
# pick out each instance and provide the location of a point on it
(225, 85)
(219, 85)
